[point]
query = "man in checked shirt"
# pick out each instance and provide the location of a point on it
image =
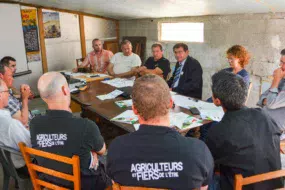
(19, 109)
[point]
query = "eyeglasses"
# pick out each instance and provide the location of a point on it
(9, 91)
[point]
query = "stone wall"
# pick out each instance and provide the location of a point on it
(262, 34)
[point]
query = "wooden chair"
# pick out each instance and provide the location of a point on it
(33, 168)
(78, 61)
(116, 186)
(240, 181)
(282, 147)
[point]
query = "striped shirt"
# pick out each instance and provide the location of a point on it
(98, 61)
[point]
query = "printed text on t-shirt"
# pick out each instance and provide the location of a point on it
(156, 171)
(49, 140)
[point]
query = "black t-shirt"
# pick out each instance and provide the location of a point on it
(159, 157)
(60, 133)
(246, 142)
(162, 63)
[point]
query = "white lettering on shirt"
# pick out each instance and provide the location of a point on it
(49, 140)
(156, 171)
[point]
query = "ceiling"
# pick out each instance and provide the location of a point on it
(134, 9)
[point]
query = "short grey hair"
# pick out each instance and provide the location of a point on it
(230, 89)
(124, 42)
(52, 84)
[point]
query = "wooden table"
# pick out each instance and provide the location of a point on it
(107, 109)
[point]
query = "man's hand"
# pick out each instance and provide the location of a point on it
(278, 74)
(142, 68)
(25, 91)
(264, 102)
(95, 162)
(75, 70)
(135, 70)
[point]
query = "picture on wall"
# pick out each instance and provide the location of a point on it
(51, 24)
(30, 30)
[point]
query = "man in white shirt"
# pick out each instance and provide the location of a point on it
(12, 131)
(124, 64)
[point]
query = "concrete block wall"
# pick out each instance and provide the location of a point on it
(262, 34)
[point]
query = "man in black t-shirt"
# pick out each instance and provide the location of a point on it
(246, 140)
(156, 155)
(59, 132)
(157, 64)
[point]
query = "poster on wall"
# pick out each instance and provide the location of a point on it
(30, 30)
(51, 24)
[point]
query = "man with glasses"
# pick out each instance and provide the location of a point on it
(11, 130)
(273, 99)
(19, 109)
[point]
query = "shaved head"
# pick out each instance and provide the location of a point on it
(50, 84)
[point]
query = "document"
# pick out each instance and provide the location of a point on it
(111, 95)
(183, 120)
(119, 82)
(127, 116)
(124, 103)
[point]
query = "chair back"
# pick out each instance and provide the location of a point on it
(240, 181)
(116, 186)
(6, 161)
(33, 168)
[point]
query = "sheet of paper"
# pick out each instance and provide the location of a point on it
(74, 74)
(127, 116)
(111, 95)
(124, 103)
(119, 82)
(183, 120)
(136, 126)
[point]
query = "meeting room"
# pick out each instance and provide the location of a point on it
(142, 95)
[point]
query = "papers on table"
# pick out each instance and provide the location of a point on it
(208, 110)
(111, 95)
(119, 82)
(180, 120)
(127, 116)
(183, 120)
(124, 103)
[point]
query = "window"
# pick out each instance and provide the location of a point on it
(182, 31)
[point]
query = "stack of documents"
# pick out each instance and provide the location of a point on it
(111, 95)
(119, 82)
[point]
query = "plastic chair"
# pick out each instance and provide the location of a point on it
(240, 181)
(9, 170)
(33, 168)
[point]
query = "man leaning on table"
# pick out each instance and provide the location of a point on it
(156, 155)
(187, 76)
(98, 59)
(124, 64)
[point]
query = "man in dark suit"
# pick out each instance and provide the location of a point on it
(187, 76)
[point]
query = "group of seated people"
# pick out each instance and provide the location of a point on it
(246, 141)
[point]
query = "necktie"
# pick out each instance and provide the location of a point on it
(177, 74)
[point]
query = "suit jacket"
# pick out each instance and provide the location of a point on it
(191, 81)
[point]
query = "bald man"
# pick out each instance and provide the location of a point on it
(60, 133)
